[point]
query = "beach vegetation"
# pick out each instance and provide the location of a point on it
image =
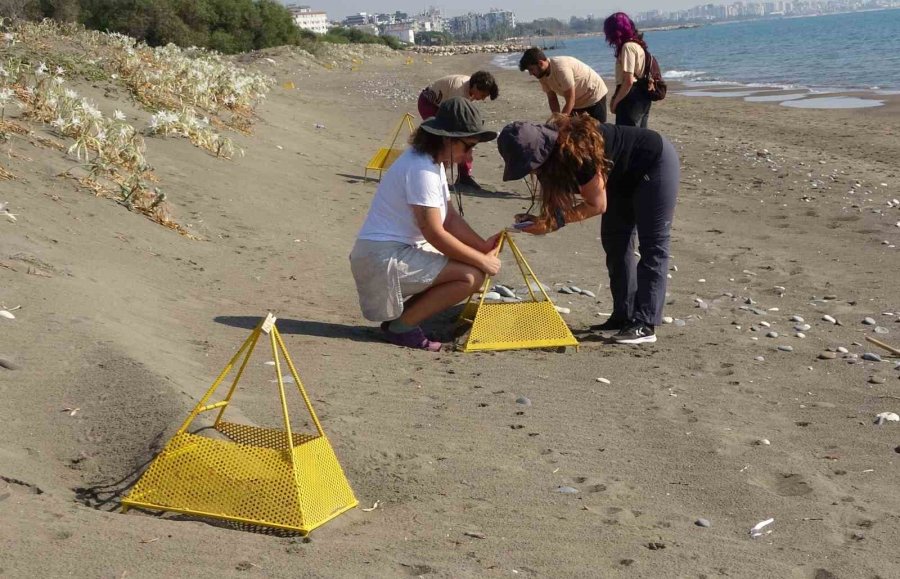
(227, 26)
(193, 93)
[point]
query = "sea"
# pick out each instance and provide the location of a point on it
(815, 55)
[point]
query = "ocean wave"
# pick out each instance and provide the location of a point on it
(680, 74)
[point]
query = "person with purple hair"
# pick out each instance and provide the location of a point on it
(630, 104)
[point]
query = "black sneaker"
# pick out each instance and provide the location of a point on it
(610, 325)
(636, 333)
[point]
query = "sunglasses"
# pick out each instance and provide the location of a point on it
(468, 145)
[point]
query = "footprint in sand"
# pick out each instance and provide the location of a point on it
(792, 485)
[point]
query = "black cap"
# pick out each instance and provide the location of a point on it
(525, 147)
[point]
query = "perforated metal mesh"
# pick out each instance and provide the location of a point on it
(512, 326)
(255, 477)
(518, 325)
(383, 159)
(386, 156)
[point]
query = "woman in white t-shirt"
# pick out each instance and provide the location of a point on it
(630, 103)
(414, 245)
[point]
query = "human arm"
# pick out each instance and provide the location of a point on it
(553, 101)
(622, 91)
(569, 95)
(631, 60)
(593, 195)
(432, 226)
(460, 229)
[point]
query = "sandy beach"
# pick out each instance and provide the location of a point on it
(124, 324)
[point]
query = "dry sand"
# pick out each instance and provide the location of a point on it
(129, 322)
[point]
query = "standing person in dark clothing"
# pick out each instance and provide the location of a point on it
(629, 175)
(630, 103)
(563, 76)
(477, 87)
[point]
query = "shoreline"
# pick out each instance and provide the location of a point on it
(890, 97)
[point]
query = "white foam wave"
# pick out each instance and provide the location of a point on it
(679, 74)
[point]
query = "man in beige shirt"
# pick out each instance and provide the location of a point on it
(579, 85)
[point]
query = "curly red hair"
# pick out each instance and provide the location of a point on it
(579, 143)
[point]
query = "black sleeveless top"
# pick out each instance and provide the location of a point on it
(632, 152)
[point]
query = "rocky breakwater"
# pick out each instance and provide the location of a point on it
(450, 50)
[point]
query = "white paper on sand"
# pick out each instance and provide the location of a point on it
(757, 530)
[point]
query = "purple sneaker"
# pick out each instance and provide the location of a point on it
(414, 338)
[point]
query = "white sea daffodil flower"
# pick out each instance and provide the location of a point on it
(119, 115)
(41, 69)
(90, 110)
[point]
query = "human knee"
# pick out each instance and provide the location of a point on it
(475, 278)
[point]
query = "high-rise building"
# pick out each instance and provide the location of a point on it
(309, 19)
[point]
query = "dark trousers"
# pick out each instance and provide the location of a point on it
(634, 109)
(639, 287)
(596, 110)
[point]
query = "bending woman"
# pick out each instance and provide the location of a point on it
(629, 175)
(630, 103)
(413, 244)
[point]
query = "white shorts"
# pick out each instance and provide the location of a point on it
(386, 272)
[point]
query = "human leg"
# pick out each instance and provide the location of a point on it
(632, 110)
(596, 110)
(644, 119)
(427, 109)
(456, 282)
(617, 237)
(654, 207)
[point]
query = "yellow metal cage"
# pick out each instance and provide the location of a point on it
(259, 476)
(511, 326)
(385, 156)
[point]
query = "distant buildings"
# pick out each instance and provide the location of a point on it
(399, 24)
(309, 19)
(472, 24)
(740, 10)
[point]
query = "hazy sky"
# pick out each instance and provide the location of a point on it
(525, 10)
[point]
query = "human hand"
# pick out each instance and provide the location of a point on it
(491, 243)
(490, 264)
(530, 224)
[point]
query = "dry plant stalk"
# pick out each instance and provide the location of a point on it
(6, 175)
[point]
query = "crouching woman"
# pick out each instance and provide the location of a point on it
(628, 174)
(415, 255)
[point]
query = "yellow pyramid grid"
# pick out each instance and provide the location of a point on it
(386, 156)
(260, 476)
(515, 325)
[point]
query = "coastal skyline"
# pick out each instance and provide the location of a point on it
(340, 9)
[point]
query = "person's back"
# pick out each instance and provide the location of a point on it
(567, 72)
(454, 85)
(633, 152)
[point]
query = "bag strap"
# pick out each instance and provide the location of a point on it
(648, 60)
